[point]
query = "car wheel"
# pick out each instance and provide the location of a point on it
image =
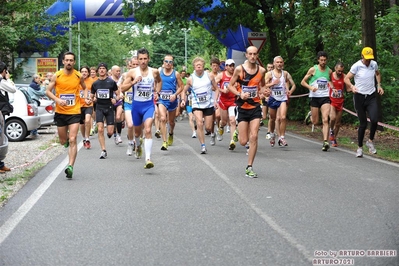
(15, 130)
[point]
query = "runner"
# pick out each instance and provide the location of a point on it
(86, 109)
(202, 84)
(103, 92)
(227, 104)
(66, 83)
(172, 86)
(251, 83)
(143, 79)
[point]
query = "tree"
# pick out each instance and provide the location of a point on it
(26, 28)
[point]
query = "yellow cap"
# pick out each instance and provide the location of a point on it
(367, 53)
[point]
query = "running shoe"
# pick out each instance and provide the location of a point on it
(88, 145)
(332, 137)
(129, 151)
(227, 129)
(203, 149)
(148, 164)
(359, 152)
(247, 147)
(370, 145)
(66, 144)
(103, 155)
(308, 118)
(170, 140)
(158, 134)
(272, 141)
(232, 145)
(326, 146)
(96, 129)
(282, 142)
(249, 172)
(334, 143)
(268, 135)
(164, 146)
(220, 134)
(139, 151)
(235, 136)
(261, 123)
(116, 140)
(69, 171)
(212, 141)
(91, 132)
(84, 144)
(119, 139)
(194, 135)
(207, 133)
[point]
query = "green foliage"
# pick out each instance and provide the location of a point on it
(23, 24)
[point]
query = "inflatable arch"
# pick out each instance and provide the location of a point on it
(111, 10)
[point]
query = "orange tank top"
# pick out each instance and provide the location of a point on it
(67, 88)
(88, 82)
(249, 83)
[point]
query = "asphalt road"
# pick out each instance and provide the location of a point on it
(194, 209)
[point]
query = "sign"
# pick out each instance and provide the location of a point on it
(29, 66)
(257, 39)
(45, 65)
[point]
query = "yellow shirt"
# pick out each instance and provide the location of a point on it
(67, 88)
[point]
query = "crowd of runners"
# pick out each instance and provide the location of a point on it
(99, 100)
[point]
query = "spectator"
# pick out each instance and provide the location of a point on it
(6, 85)
(36, 92)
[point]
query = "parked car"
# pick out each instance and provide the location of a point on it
(24, 118)
(45, 107)
(3, 140)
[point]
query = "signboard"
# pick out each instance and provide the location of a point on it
(34, 65)
(45, 65)
(257, 39)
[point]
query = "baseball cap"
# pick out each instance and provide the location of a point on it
(367, 53)
(229, 62)
(102, 65)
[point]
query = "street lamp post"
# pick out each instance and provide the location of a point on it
(185, 47)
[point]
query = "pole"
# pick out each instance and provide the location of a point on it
(70, 26)
(185, 48)
(79, 44)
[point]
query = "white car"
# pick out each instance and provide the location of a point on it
(23, 119)
(46, 107)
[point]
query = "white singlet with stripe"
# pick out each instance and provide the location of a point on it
(201, 91)
(143, 90)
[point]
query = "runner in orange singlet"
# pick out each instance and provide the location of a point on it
(251, 83)
(66, 84)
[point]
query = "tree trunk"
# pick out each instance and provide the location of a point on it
(368, 25)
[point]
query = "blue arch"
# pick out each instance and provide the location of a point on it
(111, 10)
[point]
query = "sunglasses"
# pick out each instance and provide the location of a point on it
(231, 65)
(168, 61)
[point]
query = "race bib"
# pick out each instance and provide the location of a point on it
(82, 94)
(129, 96)
(278, 91)
(322, 85)
(165, 95)
(337, 94)
(226, 85)
(103, 94)
(144, 92)
(69, 98)
(252, 90)
(201, 97)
